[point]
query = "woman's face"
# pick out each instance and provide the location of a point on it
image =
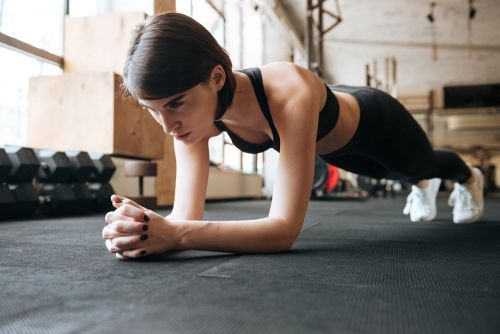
(188, 115)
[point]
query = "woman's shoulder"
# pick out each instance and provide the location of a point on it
(282, 72)
(283, 80)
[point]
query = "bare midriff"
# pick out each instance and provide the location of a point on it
(346, 126)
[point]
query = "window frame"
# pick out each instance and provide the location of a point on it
(32, 51)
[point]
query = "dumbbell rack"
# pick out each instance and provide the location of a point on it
(52, 183)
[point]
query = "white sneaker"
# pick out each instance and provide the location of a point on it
(421, 202)
(467, 199)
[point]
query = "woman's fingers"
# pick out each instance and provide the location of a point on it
(118, 201)
(135, 253)
(134, 212)
(127, 212)
(129, 243)
(110, 247)
(121, 228)
(114, 215)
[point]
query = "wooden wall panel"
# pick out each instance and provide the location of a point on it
(84, 111)
(98, 43)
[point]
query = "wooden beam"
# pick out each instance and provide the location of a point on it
(164, 6)
(30, 50)
(166, 171)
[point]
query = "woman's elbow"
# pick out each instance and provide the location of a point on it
(289, 234)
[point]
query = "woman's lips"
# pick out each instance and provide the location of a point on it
(182, 137)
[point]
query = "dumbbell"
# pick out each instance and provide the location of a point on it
(5, 166)
(18, 168)
(25, 164)
(7, 199)
(104, 168)
(56, 195)
(83, 171)
(99, 184)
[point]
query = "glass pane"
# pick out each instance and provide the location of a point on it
(93, 7)
(247, 163)
(16, 70)
(202, 12)
(232, 157)
(215, 145)
(39, 23)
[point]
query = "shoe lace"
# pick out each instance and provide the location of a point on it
(416, 197)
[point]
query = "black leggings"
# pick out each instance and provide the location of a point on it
(390, 144)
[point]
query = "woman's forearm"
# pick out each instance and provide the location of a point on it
(249, 236)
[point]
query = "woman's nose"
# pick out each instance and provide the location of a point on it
(169, 127)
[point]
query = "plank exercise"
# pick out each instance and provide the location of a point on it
(184, 79)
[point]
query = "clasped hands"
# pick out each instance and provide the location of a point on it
(133, 231)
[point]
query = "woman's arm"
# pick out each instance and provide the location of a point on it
(191, 180)
(292, 190)
(297, 125)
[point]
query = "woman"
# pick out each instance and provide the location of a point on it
(184, 79)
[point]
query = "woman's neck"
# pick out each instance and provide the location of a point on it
(238, 110)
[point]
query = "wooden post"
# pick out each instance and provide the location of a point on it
(165, 179)
(164, 6)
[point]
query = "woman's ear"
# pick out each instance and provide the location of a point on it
(218, 77)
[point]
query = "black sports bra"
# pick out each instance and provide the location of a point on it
(327, 118)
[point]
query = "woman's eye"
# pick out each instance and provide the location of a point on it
(176, 105)
(149, 109)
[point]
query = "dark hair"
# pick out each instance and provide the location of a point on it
(172, 53)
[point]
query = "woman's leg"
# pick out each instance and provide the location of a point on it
(410, 153)
(393, 145)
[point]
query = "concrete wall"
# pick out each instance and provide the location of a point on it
(374, 29)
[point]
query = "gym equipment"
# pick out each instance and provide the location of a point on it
(5, 165)
(83, 165)
(320, 177)
(84, 169)
(7, 202)
(333, 178)
(70, 173)
(101, 197)
(19, 198)
(100, 187)
(61, 187)
(25, 164)
(56, 195)
(26, 200)
(55, 167)
(327, 184)
(376, 188)
(58, 199)
(104, 168)
(141, 169)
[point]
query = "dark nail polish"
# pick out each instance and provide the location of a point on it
(145, 227)
(146, 218)
(144, 237)
(143, 252)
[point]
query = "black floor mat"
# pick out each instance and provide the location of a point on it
(357, 267)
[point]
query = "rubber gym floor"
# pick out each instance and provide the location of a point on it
(357, 267)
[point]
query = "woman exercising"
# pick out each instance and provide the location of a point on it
(184, 79)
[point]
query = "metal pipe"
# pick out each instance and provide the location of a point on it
(321, 34)
(216, 9)
(310, 54)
